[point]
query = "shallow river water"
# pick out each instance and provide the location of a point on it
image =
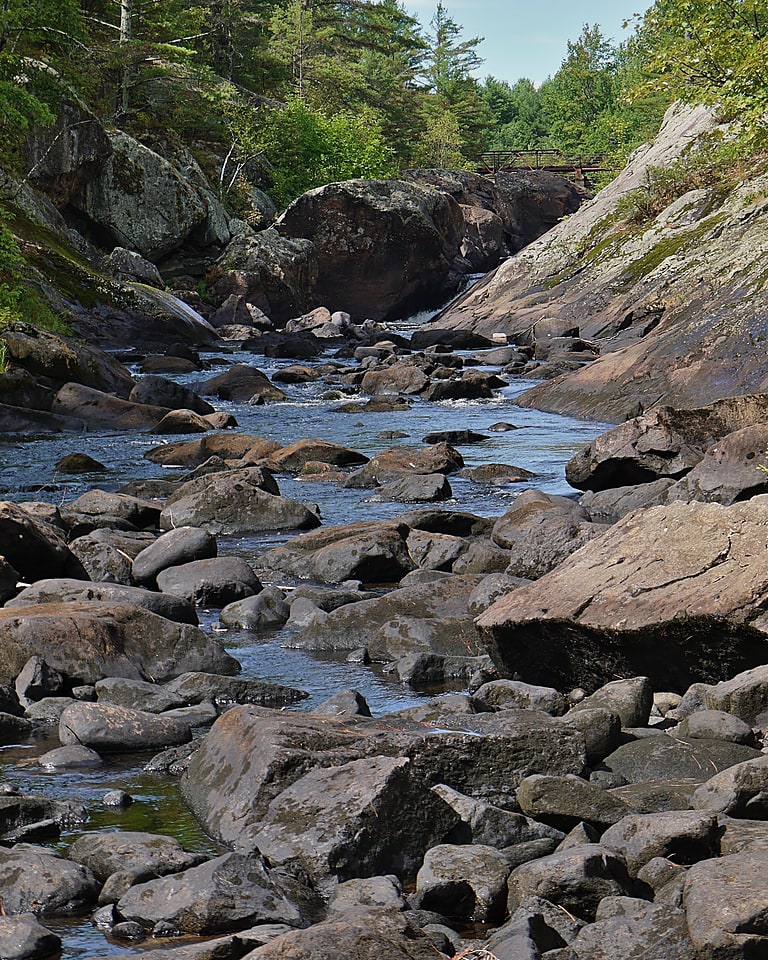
(542, 443)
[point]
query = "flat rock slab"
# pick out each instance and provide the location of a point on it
(675, 593)
(251, 755)
(87, 640)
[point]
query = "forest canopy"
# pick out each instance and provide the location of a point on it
(288, 94)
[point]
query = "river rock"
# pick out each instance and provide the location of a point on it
(137, 695)
(484, 823)
(684, 836)
(407, 237)
(210, 583)
(384, 892)
(106, 554)
(469, 385)
(541, 530)
(372, 552)
(402, 377)
(725, 905)
(227, 893)
(576, 879)
(13, 728)
(237, 501)
(243, 384)
(173, 548)
(266, 610)
(196, 687)
(366, 817)
(228, 446)
(161, 392)
(600, 727)
(75, 757)
(434, 551)
(565, 801)
(610, 505)
(739, 791)
(627, 933)
(134, 856)
(486, 754)
(423, 488)
(631, 700)
(660, 757)
(716, 725)
(38, 881)
(19, 810)
(579, 626)
(87, 640)
(393, 463)
(364, 934)
(34, 548)
(293, 458)
(112, 729)
(663, 443)
(37, 679)
(103, 508)
(102, 411)
(23, 938)
(500, 694)
(65, 360)
(428, 618)
(745, 695)
(463, 881)
(64, 590)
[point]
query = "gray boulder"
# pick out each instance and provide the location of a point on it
(367, 933)
(541, 530)
(33, 548)
(724, 904)
(576, 879)
(237, 501)
(65, 590)
(141, 200)
(265, 610)
(210, 583)
(631, 700)
(578, 626)
(564, 802)
(87, 640)
(23, 938)
(173, 548)
(113, 729)
(137, 695)
(739, 791)
(102, 411)
(196, 687)
(362, 818)
(685, 836)
(463, 881)
(230, 892)
(35, 880)
(660, 757)
(161, 392)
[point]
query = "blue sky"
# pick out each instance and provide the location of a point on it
(528, 38)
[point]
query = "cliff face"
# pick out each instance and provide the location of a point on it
(677, 305)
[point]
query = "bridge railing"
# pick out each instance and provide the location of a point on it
(492, 162)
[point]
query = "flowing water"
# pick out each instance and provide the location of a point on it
(542, 443)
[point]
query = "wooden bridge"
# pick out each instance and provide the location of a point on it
(508, 161)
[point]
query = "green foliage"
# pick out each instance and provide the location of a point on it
(307, 148)
(714, 165)
(519, 119)
(714, 53)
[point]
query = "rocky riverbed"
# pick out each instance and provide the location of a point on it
(591, 774)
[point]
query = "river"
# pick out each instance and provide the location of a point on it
(541, 443)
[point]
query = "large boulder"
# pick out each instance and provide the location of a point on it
(236, 501)
(87, 640)
(424, 618)
(665, 443)
(33, 548)
(141, 200)
(34, 880)
(64, 359)
(231, 892)
(269, 271)
(485, 754)
(108, 728)
(364, 818)
(101, 411)
(384, 248)
(671, 593)
(63, 157)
